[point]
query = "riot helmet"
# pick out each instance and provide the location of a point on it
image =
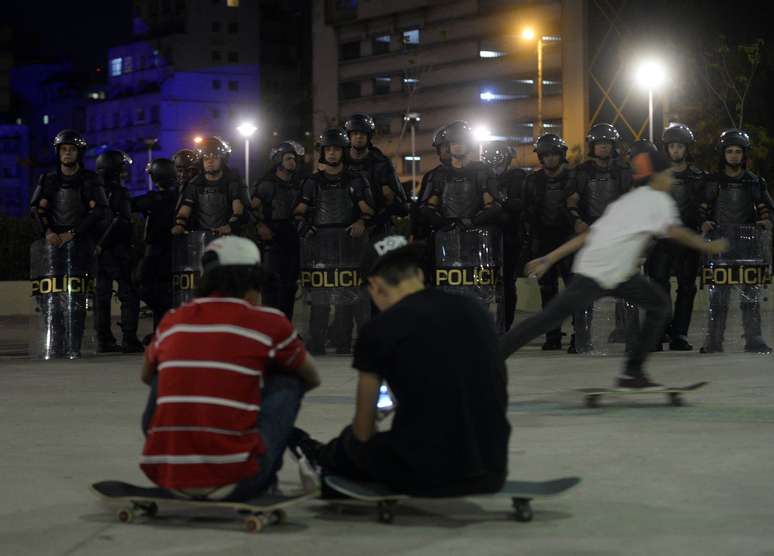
(213, 146)
(641, 146)
(733, 138)
(600, 133)
(497, 155)
(186, 166)
(550, 143)
(112, 165)
(678, 133)
(289, 146)
(70, 137)
(162, 172)
(360, 122)
(332, 137)
(459, 133)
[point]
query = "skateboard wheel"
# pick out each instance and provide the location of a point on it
(280, 516)
(386, 514)
(254, 524)
(592, 401)
(675, 399)
(152, 509)
(125, 516)
(522, 510)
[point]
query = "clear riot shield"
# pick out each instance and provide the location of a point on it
(329, 278)
(738, 307)
(63, 281)
(606, 327)
(469, 262)
(187, 252)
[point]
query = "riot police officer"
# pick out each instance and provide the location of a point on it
(71, 209)
(362, 156)
(548, 220)
(158, 206)
(599, 181)
(186, 168)
(215, 199)
(734, 196)
(510, 188)
(668, 256)
(333, 214)
(272, 201)
(114, 260)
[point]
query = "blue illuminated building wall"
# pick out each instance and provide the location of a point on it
(14, 169)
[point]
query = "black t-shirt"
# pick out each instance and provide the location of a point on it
(439, 355)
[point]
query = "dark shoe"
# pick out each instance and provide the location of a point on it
(639, 382)
(552, 345)
(679, 344)
(132, 345)
(711, 348)
(108, 347)
(303, 446)
(757, 345)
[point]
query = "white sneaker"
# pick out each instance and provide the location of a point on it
(310, 478)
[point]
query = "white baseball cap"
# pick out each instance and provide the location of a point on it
(230, 251)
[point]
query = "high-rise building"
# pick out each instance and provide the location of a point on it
(451, 60)
(14, 169)
(194, 70)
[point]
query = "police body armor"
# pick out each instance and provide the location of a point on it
(330, 258)
(283, 202)
(551, 198)
(461, 196)
(735, 199)
(67, 210)
(214, 206)
(63, 285)
(684, 191)
(603, 187)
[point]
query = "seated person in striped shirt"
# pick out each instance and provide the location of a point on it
(227, 376)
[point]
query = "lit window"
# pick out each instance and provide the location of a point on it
(232, 3)
(45, 119)
(115, 67)
(411, 37)
(490, 53)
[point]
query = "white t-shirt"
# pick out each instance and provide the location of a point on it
(617, 241)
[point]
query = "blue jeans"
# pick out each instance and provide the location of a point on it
(280, 403)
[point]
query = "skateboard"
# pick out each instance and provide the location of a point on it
(521, 494)
(674, 394)
(261, 512)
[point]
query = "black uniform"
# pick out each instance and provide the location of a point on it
(281, 254)
(510, 186)
(332, 202)
(460, 192)
(668, 256)
(742, 200)
(211, 201)
(597, 187)
(550, 225)
(159, 208)
(75, 203)
(377, 169)
(114, 263)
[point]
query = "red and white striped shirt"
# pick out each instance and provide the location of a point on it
(211, 355)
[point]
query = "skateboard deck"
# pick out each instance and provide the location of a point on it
(261, 512)
(520, 492)
(674, 394)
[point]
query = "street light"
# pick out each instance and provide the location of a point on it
(198, 139)
(482, 134)
(413, 118)
(650, 74)
(149, 143)
(246, 130)
(529, 34)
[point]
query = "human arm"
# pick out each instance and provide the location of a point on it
(538, 267)
(364, 422)
(689, 238)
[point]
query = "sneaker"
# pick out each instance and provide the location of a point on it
(757, 345)
(303, 449)
(552, 345)
(680, 344)
(639, 382)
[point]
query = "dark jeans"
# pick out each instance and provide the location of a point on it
(156, 285)
(112, 269)
(282, 267)
(666, 257)
(342, 326)
(637, 290)
(280, 403)
(510, 263)
(549, 282)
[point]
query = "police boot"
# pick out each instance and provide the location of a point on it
(132, 345)
(107, 344)
(680, 344)
(757, 345)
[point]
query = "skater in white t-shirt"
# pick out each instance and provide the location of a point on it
(608, 261)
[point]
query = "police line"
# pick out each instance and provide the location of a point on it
(736, 275)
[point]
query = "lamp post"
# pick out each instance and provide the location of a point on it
(246, 130)
(529, 34)
(149, 143)
(413, 119)
(650, 74)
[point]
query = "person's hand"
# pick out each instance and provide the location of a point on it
(264, 232)
(536, 268)
(357, 229)
(223, 230)
(707, 227)
(580, 227)
(718, 246)
(178, 230)
(764, 224)
(65, 237)
(53, 239)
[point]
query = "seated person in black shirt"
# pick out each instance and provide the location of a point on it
(439, 355)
